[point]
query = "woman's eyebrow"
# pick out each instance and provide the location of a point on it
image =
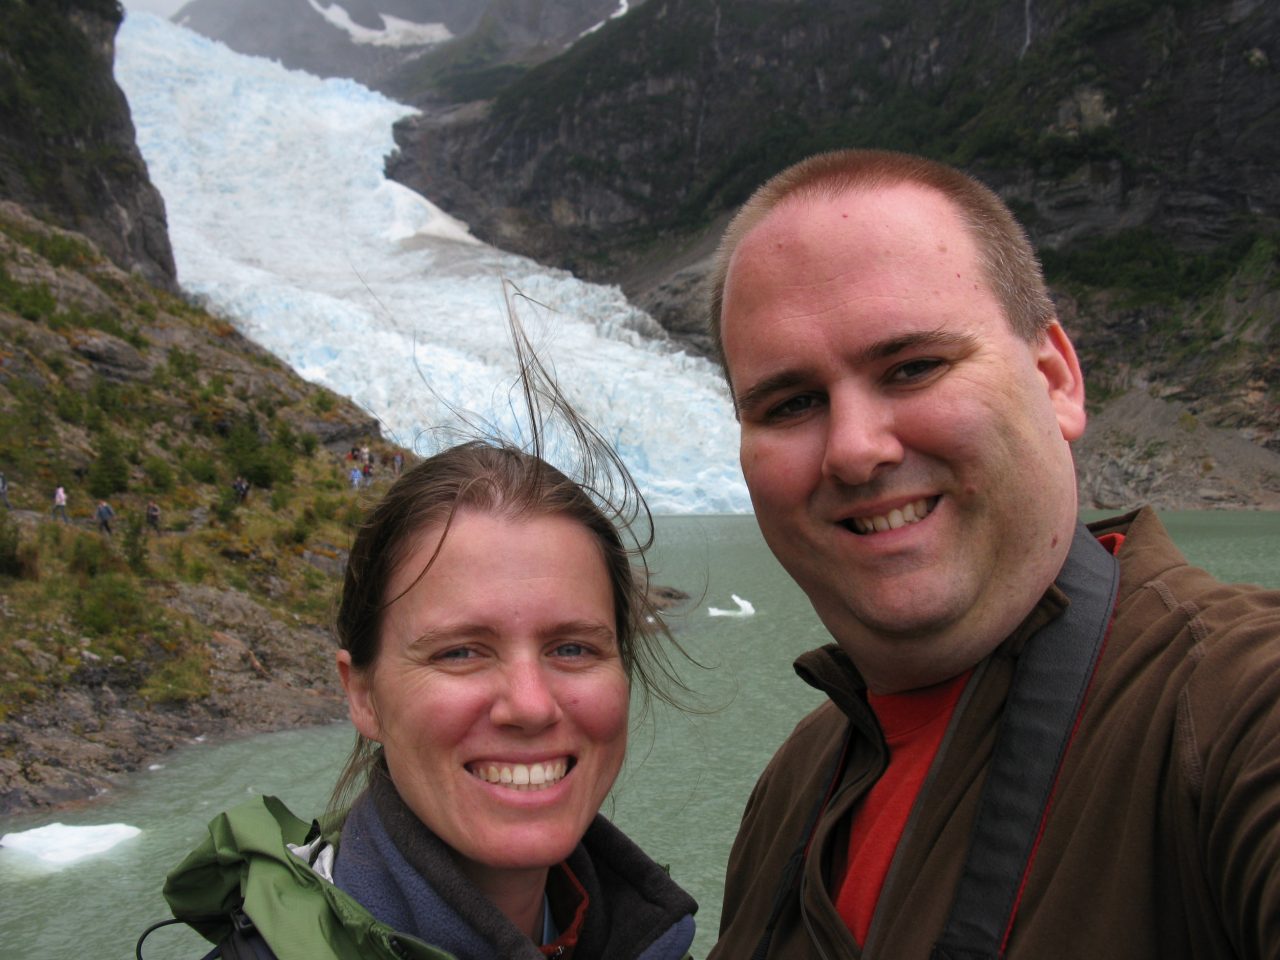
(580, 629)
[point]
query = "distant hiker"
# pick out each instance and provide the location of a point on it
(105, 515)
(153, 516)
(367, 471)
(397, 463)
(60, 504)
(241, 489)
(4, 492)
(355, 478)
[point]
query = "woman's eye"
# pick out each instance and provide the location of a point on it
(571, 649)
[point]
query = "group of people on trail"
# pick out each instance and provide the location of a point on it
(1038, 739)
(103, 513)
(362, 465)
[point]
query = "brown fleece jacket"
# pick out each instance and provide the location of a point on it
(1163, 840)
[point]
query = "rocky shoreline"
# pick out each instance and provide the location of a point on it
(75, 746)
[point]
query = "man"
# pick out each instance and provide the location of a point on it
(153, 516)
(4, 492)
(104, 515)
(907, 401)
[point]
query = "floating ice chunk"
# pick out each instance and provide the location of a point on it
(59, 843)
(745, 608)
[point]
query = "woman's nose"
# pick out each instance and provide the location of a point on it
(525, 698)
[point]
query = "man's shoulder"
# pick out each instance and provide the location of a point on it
(1151, 563)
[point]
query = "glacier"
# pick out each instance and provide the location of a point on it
(282, 222)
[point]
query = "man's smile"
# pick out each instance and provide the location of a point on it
(912, 512)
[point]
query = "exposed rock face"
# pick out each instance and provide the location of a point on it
(1090, 117)
(67, 147)
(1134, 137)
(402, 47)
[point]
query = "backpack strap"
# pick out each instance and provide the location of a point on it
(1045, 702)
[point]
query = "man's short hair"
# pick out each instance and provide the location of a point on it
(1007, 258)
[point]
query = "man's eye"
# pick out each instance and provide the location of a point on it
(914, 371)
(456, 653)
(791, 407)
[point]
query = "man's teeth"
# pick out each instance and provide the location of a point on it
(521, 776)
(911, 513)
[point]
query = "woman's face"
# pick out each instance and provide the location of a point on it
(498, 693)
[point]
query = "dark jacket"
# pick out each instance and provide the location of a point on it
(410, 902)
(1163, 839)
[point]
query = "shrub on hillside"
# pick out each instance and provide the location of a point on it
(111, 603)
(91, 557)
(159, 474)
(10, 543)
(109, 472)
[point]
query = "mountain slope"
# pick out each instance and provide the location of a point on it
(415, 50)
(1135, 138)
(67, 149)
(119, 646)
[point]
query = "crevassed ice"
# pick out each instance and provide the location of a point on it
(282, 220)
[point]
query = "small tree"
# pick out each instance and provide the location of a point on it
(135, 543)
(109, 473)
(10, 545)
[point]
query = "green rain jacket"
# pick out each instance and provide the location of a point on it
(246, 862)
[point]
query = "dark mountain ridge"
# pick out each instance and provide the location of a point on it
(1134, 138)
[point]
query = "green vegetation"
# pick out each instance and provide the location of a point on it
(1149, 268)
(199, 408)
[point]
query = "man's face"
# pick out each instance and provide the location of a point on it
(906, 452)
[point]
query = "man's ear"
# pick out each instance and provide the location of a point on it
(1057, 362)
(356, 683)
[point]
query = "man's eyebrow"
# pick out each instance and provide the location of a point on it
(873, 352)
(769, 385)
(884, 349)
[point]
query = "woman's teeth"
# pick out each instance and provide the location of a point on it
(521, 776)
(911, 513)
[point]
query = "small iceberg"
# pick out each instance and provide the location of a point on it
(60, 844)
(745, 609)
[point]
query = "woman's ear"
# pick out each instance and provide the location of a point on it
(356, 683)
(1057, 362)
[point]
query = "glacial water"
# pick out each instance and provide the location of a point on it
(680, 794)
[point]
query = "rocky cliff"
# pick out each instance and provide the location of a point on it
(67, 147)
(420, 51)
(1135, 139)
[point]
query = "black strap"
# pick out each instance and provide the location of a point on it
(1045, 700)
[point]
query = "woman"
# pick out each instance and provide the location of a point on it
(489, 633)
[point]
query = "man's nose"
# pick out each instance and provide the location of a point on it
(525, 697)
(862, 440)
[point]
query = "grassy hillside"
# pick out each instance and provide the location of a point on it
(120, 392)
